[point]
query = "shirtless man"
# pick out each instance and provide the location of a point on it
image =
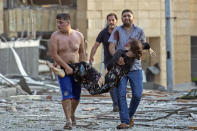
(66, 47)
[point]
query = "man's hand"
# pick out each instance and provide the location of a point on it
(120, 61)
(69, 70)
(130, 54)
(152, 52)
(55, 64)
(91, 60)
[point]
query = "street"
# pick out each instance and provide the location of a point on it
(157, 111)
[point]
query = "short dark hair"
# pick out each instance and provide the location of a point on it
(127, 10)
(63, 16)
(112, 14)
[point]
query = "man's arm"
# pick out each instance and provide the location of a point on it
(53, 52)
(112, 42)
(93, 52)
(82, 56)
(99, 39)
(114, 38)
(112, 49)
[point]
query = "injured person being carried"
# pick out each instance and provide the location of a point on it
(96, 83)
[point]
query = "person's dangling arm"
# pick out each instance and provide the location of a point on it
(146, 46)
(115, 58)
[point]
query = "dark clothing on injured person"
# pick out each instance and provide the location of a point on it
(87, 76)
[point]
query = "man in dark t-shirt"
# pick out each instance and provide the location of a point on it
(103, 37)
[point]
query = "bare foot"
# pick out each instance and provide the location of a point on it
(56, 70)
(101, 81)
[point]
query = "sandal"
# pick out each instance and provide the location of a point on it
(131, 124)
(73, 120)
(68, 125)
(122, 126)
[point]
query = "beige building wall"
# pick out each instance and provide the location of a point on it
(184, 26)
(1, 17)
(151, 17)
(193, 17)
(81, 16)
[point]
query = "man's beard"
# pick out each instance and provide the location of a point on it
(127, 24)
(111, 26)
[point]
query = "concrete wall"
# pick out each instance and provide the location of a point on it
(184, 26)
(1, 17)
(81, 16)
(28, 52)
(193, 17)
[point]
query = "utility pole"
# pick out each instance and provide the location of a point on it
(169, 47)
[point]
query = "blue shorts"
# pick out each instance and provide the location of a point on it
(69, 88)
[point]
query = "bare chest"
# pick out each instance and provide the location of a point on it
(70, 44)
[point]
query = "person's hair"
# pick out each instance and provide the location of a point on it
(136, 48)
(112, 14)
(127, 10)
(63, 16)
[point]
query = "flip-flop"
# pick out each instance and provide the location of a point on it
(68, 126)
(73, 120)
